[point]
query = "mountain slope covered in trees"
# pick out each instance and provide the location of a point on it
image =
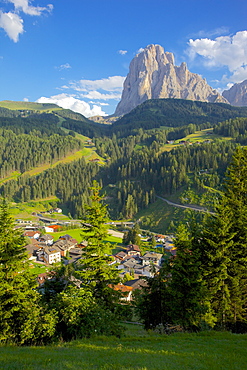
(137, 165)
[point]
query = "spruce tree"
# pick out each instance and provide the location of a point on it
(96, 271)
(218, 242)
(235, 198)
(189, 305)
(23, 318)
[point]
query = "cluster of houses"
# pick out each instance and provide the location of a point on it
(42, 248)
(129, 261)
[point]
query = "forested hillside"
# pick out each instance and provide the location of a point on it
(139, 164)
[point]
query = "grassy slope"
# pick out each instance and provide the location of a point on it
(157, 216)
(88, 152)
(20, 105)
(76, 233)
(198, 136)
(203, 351)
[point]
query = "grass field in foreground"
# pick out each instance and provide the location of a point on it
(143, 351)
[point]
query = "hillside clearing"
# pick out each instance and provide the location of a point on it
(147, 351)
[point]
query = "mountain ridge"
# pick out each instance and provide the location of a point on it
(154, 75)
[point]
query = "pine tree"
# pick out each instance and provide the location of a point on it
(23, 318)
(189, 303)
(218, 242)
(96, 271)
(235, 198)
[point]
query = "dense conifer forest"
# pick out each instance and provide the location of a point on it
(134, 150)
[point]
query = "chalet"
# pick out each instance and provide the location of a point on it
(133, 250)
(32, 234)
(120, 255)
(41, 278)
(64, 246)
(65, 237)
(83, 244)
(150, 270)
(57, 210)
(137, 283)
(151, 258)
(49, 229)
(32, 251)
(160, 238)
(52, 228)
(51, 255)
(47, 239)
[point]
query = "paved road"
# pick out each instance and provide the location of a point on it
(118, 234)
(194, 208)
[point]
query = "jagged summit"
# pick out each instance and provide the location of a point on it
(153, 75)
(237, 94)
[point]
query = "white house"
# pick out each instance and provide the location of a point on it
(51, 255)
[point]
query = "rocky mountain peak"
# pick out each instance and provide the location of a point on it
(153, 75)
(237, 94)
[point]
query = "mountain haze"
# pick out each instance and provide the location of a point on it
(153, 75)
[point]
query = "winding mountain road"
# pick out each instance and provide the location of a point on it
(194, 208)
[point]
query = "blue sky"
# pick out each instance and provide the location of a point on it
(76, 53)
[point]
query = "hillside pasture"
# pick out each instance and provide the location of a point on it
(196, 137)
(146, 351)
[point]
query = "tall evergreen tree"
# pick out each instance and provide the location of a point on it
(96, 270)
(23, 319)
(189, 302)
(235, 199)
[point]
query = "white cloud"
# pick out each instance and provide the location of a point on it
(26, 99)
(215, 32)
(96, 95)
(98, 103)
(64, 66)
(69, 102)
(228, 51)
(12, 25)
(122, 52)
(25, 7)
(113, 83)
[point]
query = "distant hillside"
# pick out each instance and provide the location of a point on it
(175, 113)
(21, 105)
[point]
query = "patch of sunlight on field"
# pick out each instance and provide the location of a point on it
(198, 136)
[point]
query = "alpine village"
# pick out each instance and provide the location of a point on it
(129, 229)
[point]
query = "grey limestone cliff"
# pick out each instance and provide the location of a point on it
(153, 75)
(237, 94)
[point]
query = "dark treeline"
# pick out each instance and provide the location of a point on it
(136, 164)
(235, 128)
(204, 286)
(146, 173)
(69, 182)
(45, 124)
(175, 113)
(22, 152)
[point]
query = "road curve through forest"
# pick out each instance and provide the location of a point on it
(194, 208)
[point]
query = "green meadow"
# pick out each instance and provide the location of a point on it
(158, 216)
(76, 234)
(137, 350)
(198, 136)
(21, 105)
